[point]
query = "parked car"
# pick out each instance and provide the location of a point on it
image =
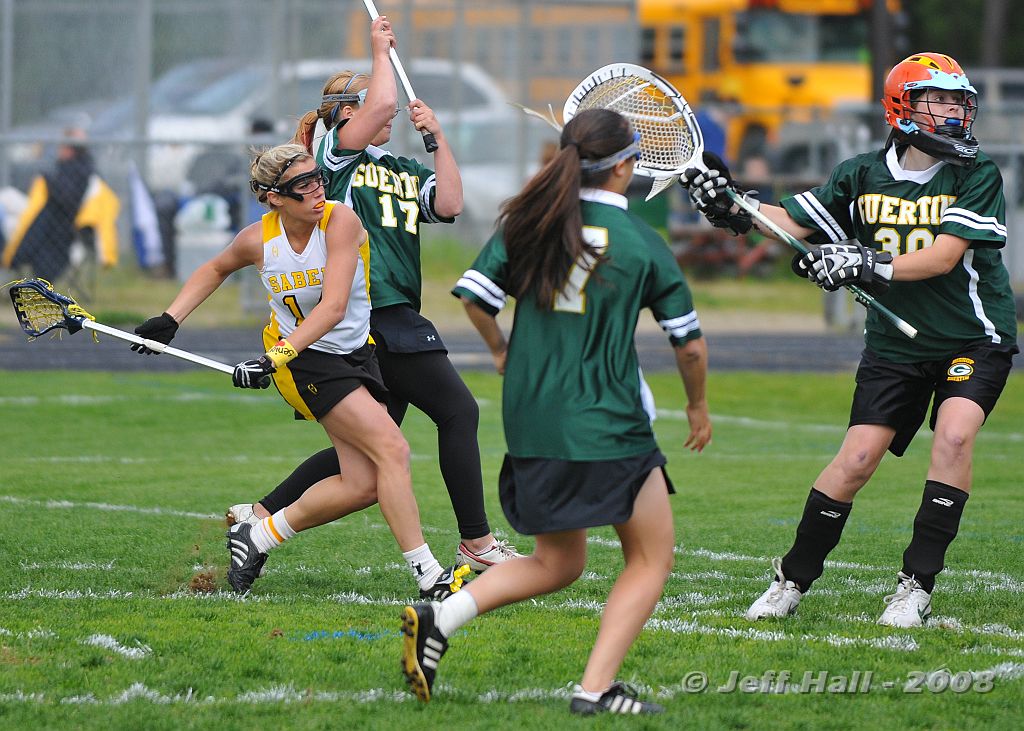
(254, 104)
(171, 90)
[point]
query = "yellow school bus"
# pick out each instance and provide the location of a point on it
(767, 60)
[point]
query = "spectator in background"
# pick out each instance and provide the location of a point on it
(42, 243)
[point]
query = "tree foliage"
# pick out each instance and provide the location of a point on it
(958, 28)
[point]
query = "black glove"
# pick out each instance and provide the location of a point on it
(253, 373)
(707, 189)
(834, 265)
(161, 329)
(800, 269)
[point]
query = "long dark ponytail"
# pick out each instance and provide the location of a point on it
(542, 225)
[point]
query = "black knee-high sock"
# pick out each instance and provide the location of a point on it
(935, 527)
(818, 533)
(320, 466)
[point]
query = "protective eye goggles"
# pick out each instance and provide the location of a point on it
(631, 150)
(296, 188)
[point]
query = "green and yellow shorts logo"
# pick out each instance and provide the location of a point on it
(961, 369)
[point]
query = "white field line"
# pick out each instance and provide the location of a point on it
(69, 505)
(208, 459)
(67, 565)
(689, 627)
(109, 643)
(976, 580)
(775, 426)
(29, 593)
(791, 426)
(71, 399)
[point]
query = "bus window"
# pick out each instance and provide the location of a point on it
(771, 36)
(647, 39)
(676, 47)
(711, 31)
(844, 38)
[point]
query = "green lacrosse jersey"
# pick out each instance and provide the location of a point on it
(572, 387)
(872, 199)
(392, 196)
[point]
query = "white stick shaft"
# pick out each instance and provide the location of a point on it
(158, 347)
(395, 60)
(400, 70)
(429, 141)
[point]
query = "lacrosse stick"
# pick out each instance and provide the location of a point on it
(429, 143)
(671, 142)
(40, 309)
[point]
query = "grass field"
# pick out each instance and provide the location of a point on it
(113, 485)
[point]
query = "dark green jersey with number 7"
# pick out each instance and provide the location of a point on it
(572, 386)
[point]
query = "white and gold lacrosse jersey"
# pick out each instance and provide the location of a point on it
(295, 283)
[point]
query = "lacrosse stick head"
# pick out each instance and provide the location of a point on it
(41, 309)
(670, 137)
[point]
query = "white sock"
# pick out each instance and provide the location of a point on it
(271, 532)
(455, 611)
(425, 568)
(577, 691)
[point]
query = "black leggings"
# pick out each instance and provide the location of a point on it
(429, 382)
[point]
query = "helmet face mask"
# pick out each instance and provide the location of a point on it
(920, 117)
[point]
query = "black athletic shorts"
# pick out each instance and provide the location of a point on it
(315, 381)
(897, 394)
(548, 495)
(403, 330)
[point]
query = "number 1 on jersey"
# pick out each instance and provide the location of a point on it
(292, 304)
(571, 298)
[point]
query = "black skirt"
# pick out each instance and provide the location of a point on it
(548, 495)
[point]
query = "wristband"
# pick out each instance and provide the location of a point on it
(282, 353)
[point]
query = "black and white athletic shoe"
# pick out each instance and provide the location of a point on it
(619, 698)
(423, 646)
(246, 560)
(449, 582)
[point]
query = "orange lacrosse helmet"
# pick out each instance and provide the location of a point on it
(950, 139)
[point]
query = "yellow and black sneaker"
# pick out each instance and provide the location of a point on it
(423, 646)
(449, 582)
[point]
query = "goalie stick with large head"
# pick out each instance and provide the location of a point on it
(670, 138)
(671, 142)
(41, 309)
